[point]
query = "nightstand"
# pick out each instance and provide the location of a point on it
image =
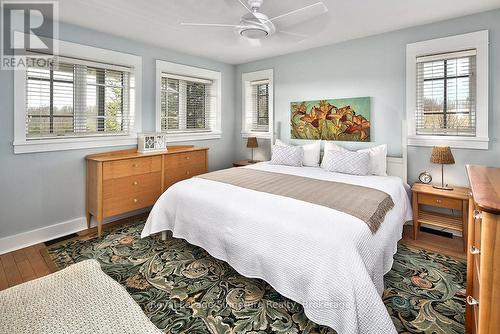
(242, 163)
(456, 199)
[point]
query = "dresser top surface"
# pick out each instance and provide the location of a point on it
(132, 153)
(485, 184)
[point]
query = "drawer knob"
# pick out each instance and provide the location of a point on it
(187, 158)
(439, 201)
(471, 301)
(187, 172)
(135, 165)
(477, 214)
(474, 250)
(136, 183)
(136, 200)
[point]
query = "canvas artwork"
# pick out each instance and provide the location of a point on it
(338, 119)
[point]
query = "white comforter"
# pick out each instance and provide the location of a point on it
(324, 259)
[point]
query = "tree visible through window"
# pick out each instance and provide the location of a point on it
(75, 100)
(262, 104)
(185, 104)
(446, 97)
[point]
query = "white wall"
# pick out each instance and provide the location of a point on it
(375, 66)
(42, 189)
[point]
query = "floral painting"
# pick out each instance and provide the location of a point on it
(338, 119)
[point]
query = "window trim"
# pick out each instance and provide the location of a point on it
(85, 52)
(195, 72)
(246, 78)
(480, 42)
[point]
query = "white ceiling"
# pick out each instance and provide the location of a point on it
(157, 22)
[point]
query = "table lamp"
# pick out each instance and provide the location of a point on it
(442, 155)
(252, 143)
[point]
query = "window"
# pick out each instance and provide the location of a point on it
(257, 104)
(185, 104)
(447, 91)
(188, 102)
(71, 99)
(89, 97)
(446, 94)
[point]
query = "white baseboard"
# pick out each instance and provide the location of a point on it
(33, 237)
(30, 238)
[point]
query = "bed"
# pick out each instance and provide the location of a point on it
(326, 260)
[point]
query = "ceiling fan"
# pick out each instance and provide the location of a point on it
(256, 25)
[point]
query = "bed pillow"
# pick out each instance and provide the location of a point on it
(329, 146)
(287, 155)
(347, 162)
(312, 152)
(378, 159)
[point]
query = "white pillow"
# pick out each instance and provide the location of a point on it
(348, 162)
(378, 157)
(287, 155)
(329, 146)
(312, 152)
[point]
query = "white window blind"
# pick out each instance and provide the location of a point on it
(78, 98)
(258, 115)
(446, 94)
(187, 104)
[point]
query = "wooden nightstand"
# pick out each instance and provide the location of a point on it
(456, 199)
(242, 163)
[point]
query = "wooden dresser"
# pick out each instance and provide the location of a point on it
(123, 181)
(483, 256)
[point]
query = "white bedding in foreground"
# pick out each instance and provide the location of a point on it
(324, 259)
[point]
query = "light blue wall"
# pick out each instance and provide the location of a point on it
(43, 189)
(375, 66)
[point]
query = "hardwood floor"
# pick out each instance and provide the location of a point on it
(28, 263)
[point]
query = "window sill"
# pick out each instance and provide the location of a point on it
(475, 143)
(64, 144)
(260, 135)
(186, 136)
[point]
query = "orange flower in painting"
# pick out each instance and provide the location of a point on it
(299, 109)
(318, 113)
(358, 125)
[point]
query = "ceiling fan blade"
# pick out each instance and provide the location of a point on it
(210, 25)
(306, 13)
(246, 7)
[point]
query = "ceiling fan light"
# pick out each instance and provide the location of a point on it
(253, 33)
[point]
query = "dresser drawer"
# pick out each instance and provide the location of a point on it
(183, 166)
(442, 202)
(125, 202)
(175, 175)
(130, 185)
(185, 160)
(121, 168)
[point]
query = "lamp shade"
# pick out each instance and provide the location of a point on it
(442, 155)
(252, 142)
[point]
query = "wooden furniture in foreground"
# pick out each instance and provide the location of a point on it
(456, 199)
(123, 181)
(482, 312)
(242, 163)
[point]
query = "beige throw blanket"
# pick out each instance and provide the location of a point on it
(368, 204)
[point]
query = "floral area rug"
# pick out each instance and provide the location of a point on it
(182, 289)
